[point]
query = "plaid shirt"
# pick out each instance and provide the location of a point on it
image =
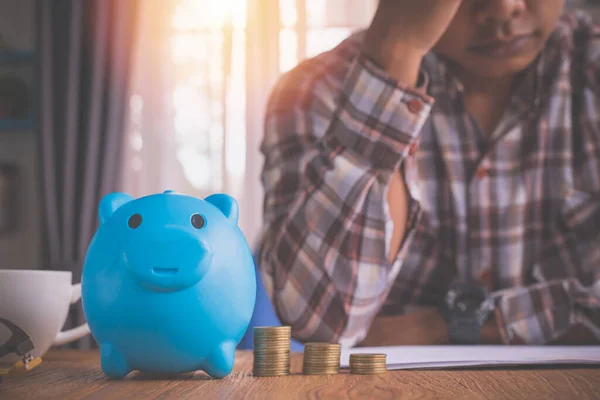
(519, 209)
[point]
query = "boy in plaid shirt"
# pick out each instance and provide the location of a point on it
(436, 179)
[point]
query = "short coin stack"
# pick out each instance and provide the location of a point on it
(321, 359)
(368, 364)
(272, 351)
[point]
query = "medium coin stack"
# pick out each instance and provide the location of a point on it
(321, 359)
(272, 350)
(368, 364)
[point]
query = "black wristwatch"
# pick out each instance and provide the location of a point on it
(466, 307)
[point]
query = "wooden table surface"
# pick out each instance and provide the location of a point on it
(69, 374)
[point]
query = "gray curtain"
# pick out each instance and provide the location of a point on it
(85, 57)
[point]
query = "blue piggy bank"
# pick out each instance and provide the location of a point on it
(168, 284)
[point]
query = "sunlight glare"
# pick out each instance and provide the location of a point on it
(206, 65)
(209, 14)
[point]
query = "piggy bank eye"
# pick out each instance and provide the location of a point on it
(198, 221)
(134, 221)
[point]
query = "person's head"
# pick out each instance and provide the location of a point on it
(498, 38)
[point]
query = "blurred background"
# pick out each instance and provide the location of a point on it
(141, 96)
(179, 86)
(200, 81)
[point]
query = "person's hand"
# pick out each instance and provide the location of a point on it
(403, 31)
(423, 327)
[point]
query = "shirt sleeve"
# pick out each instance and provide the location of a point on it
(327, 168)
(546, 311)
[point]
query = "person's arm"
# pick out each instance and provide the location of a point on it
(325, 248)
(323, 254)
(560, 312)
(552, 311)
(427, 327)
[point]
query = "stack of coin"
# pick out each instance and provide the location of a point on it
(321, 359)
(272, 350)
(368, 364)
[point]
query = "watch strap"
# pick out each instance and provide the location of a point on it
(464, 330)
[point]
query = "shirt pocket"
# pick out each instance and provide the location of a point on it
(580, 220)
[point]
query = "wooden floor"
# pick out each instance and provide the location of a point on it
(70, 374)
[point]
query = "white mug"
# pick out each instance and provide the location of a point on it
(38, 302)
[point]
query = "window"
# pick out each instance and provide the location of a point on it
(310, 27)
(203, 71)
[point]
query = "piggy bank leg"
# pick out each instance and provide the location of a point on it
(114, 364)
(220, 363)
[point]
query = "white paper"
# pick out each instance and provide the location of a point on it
(425, 357)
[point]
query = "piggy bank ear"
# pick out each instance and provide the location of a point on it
(227, 204)
(110, 203)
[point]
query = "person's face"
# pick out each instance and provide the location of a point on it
(498, 38)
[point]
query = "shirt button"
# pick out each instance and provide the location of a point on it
(412, 150)
(415, 106)
(482, 172)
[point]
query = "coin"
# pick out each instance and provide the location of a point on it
(271, 347)
(271, 351)
(321, 359)
(271, 357)
(368, 364)
(368, 356)
(277, 331)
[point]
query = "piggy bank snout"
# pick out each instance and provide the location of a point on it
(172, 260)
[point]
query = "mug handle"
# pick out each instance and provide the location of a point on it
(75, 333)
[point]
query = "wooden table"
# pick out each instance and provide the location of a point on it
(68, 374)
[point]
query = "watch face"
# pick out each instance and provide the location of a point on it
(466, 302)
(465, 298)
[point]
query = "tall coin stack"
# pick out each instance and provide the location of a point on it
(321, 359)
(272, 350)
(368, 364)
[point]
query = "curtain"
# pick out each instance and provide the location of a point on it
(85, 52)
(263, 67)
